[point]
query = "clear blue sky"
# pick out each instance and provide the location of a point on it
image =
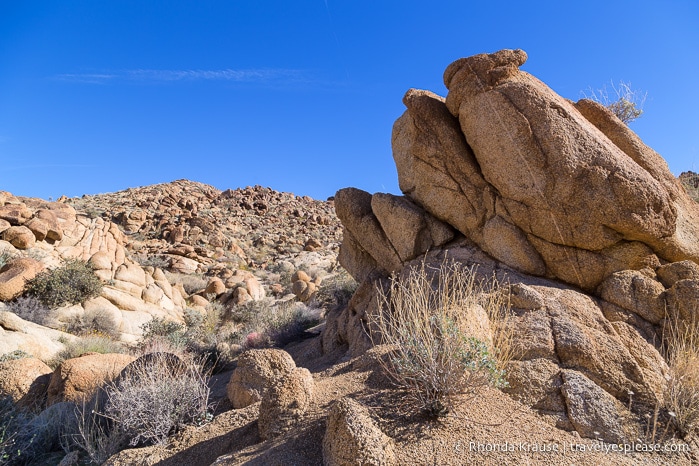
(99, 96)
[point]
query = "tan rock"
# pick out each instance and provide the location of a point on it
(16, 214)
(38, 227)
(683, 299)
(285, 402)
(635, 292)
(669, 274)
(101, 260)
(300, 275)
(254, 288)
(14, 276)
(215, 287)
(536, 383)
(20, 237)
(132, 273)
(303, 290)
(410, 230)
(54, 230)
(241, 296)
(196, 300)
(353, 207)
(257, 370)
(353, 438)
(593, 412)
(18, 334)
(26, 380)
(4, 225)
(312, 244)
(153, 294)
(184, 265)
(77, 378)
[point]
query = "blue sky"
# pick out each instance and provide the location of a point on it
(99, 96)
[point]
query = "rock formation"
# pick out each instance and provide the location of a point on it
(597, 239)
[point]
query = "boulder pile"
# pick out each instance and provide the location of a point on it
(598, 241)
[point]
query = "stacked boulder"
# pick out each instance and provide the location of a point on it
(597, 239)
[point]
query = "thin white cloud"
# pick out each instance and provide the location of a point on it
(149, 75)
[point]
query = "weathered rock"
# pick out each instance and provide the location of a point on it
(683, 299)
(14, 276)
(54, 231)
(669, 274)
(215, 287)
(635, 292)
(536, 383)
(352, 438)
(38, 227)
(257, 370)
(20, 237)
(131, 273)
(101, 261)
(26, 380)
(77, 378)
(616, 202)
(18, 334)
(15, 213)
(593, 412)
(285, 402)
(303, 290)
(409, 229)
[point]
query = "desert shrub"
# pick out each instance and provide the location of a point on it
(266, 323)
(690, 182)
(160, 328)
(192, 283)
(94, 321)
(29, 438)
(335, 291)
(203, 327)
(681, 351)
(153, 401)
(13, 429)
(87, 344)
(424, 317)
(157, 261)
(31, 309)
(628, 104)
(94, 434)
(288, 322)
(72, 283)
(203, 336)
(14, 355)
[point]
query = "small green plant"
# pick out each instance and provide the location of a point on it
(14, 355)
(426, 317)
(160, 328)
(335, 291)
(93, 322)
(87, 344)
(157, 261)
(73, 282)
(6, 257)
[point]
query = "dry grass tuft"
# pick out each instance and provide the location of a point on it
(681, 348)
(448, 331)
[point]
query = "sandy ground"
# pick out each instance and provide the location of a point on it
(490, 428)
